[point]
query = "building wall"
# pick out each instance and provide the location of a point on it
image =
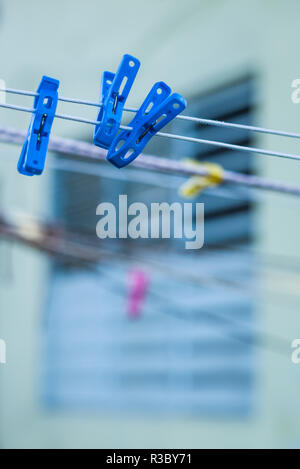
(192, 46)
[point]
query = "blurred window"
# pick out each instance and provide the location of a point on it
(191, 352)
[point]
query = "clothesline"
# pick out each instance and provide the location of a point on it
(82, 247)
(200, 120)
(169, 135)
(142, 176)
(165, 165)
(61, 246)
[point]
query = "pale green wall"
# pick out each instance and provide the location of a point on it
(192, 45)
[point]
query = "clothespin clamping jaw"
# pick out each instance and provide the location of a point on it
(115, 89)
(34, 151)
(158, 109)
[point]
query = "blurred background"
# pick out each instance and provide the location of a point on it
(206, 360)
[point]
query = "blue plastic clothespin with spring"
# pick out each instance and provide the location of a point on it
(115, 89)
(34, 151)
(158, 109)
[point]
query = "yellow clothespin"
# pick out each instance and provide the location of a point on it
(197, 184)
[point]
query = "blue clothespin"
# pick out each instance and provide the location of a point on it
(115, 89)
(34, 151)
(158, 109)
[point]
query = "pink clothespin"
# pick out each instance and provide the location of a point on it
(138, 287)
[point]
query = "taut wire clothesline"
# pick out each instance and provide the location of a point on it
(165, 134)
(200, 120)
